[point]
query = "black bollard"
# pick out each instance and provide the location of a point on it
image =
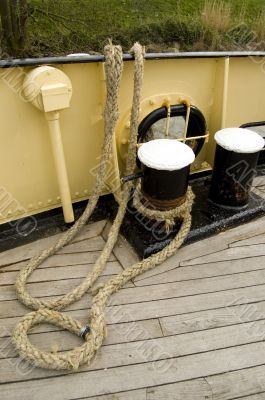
(235, 162)
(166, 167)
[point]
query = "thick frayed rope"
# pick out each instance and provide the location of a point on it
(94, 333)
(169, 217)
(113, 68)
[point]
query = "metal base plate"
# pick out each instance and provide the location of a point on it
(207, 219)
(146, 238)
(49, 223)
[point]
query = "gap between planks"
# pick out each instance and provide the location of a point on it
(148, 374)
(120, 370)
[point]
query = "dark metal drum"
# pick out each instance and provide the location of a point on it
(236, 158)
(166, 167)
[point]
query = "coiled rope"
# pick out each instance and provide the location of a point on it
(47, 311)
(168, 217)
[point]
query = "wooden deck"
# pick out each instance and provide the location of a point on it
(191, 329)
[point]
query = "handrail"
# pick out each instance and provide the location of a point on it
(8, 63)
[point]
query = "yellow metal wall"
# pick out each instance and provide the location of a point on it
(27, 174)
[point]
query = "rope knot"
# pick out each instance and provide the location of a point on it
(167, 216)
(169, 224)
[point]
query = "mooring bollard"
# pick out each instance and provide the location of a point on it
(166, 167)
(235, 162)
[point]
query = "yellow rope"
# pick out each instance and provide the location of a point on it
(169, 216)
(46, 310)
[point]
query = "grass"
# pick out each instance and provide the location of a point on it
(216, 16)
(66, 26)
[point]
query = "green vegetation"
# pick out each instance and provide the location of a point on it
(57, 27)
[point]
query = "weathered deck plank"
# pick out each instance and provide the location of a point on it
(55, 273)
(200, 389)
(260, 396)
(50, 289)
(140, 294)
(27, 251)
(197, 389)
(200, 271)
(244, 383)
(60, 260)
(158, 308)
(129, 377)
(214, 318)
(246, 242)
(134, 394)
(124, 253)
(193, 328)
(117, 333)
(137, 352)
(210, 246)
(233, 253)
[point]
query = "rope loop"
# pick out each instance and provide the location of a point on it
(167, 216)
(68, 360)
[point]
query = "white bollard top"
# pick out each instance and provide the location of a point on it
(239, 140)
(165, 154)
(78, 55)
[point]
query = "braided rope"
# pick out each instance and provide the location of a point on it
(167, 216)
(46, 310)
(113, 68)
